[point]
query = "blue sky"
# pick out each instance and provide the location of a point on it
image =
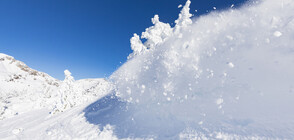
(88, 37)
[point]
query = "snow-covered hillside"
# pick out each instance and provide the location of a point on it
(225, 75)
(24, 89)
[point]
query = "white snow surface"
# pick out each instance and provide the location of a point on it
(224, 75)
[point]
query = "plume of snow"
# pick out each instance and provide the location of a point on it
(230, 70)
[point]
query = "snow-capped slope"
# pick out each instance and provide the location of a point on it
(36, 106)
(24, 89)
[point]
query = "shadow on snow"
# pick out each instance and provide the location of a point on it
(131, 120)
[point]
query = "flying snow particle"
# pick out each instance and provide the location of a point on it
(180, 6)
(277, 34)
(229, 37)
(49, 133)
(267, 40)
(237, 98)
(219, 101)
(129, 91)
(231, 65)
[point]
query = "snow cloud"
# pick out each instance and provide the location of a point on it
(225, 74)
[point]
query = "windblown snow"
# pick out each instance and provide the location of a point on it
(224, 75)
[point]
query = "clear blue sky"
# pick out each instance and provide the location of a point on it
(88, 37)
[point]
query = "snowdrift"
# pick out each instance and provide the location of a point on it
(228, 74)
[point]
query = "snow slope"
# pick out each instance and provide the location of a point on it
(24, 89)
(36, 106)
(37, 124)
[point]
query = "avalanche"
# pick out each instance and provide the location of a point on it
(224, 75)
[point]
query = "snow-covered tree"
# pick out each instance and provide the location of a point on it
(156, 33)
(67, 94)
(184, 18)
(160, 32)
(137, 46)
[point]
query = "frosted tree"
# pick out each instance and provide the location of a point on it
(184, 18)
(157, 33)
(160, 32)
(137, 46)
(154, 35)
(67, 94)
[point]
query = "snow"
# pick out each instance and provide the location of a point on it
(231, 65)
(277, 34)
(155, 35)
(2, 55)
(37, 125)
(67, 74)
(184, 17)
(227, 65)
(224, 75)
(24, 89)
(137, 46)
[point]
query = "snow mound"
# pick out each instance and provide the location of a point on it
(225, 75)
